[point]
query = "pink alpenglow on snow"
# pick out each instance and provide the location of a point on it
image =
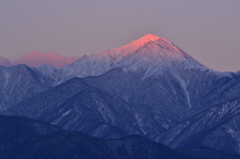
(37, 58)
(129, 48)
(5, 62)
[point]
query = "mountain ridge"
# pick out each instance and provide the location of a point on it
(153, 91)
(150, 53)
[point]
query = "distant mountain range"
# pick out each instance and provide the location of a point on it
(5, 62)
(37, 58)
(149, 87)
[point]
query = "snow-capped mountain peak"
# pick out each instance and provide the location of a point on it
(153, 43)
(149, 53)
(140, 42)
(156, 54)
(99, 63)
(119, 53)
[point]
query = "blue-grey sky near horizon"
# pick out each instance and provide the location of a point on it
(208, 30)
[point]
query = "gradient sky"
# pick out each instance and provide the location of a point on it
(208, 30)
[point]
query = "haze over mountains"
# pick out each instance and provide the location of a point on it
(37, 58)
(149, 87)
(5, 62)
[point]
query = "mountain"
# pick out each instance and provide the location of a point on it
(216, 127)
(37, 58)
(149, 87)
(74, 105)
(149, 53)
(18, 83)
(5, 62)
(27, 138)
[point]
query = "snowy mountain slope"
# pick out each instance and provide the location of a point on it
(216, 127)
(49, 73)
(76, 106)
(70, 106)
(18, 83)
(98, 114)
(154, 104)
(168, 92)
(150, 120)
(48, 100)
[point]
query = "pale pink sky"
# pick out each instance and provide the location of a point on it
(208, 30)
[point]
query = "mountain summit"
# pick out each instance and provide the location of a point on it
(140, 42)
(147, 41)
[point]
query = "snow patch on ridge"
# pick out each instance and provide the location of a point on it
(184, 86)
(6, 79)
